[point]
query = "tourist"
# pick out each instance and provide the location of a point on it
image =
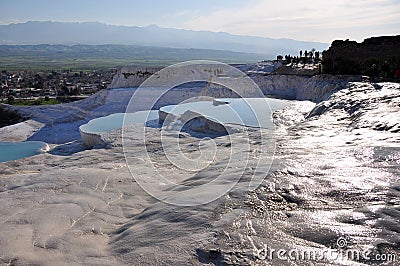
(317, 55)
(372, 73)
(385, 69)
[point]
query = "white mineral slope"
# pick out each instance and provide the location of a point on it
(133, 76)
(263, 67)
(21, 131)
(59, 210)
(293, 87)
(335, 174)
(369, 106)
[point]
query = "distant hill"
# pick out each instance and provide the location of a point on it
(45, 56)
(34, 32)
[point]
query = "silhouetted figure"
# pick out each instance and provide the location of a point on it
(301, 53)
(372, 73)
(287, 59)
(316, 55)
(305, 54)
(385, 69)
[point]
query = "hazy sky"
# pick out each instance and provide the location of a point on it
(323, 20)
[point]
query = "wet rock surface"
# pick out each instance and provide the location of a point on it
(339, 180)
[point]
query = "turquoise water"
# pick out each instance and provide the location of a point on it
(16, 150)
(115, 121)
(252, 112)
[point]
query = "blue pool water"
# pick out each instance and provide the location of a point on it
(115, 121)
(16, 150)
(252, 112)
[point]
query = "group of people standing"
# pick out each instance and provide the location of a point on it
(302, 58)
(384, 72)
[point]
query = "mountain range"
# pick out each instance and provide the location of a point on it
(95, 33)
